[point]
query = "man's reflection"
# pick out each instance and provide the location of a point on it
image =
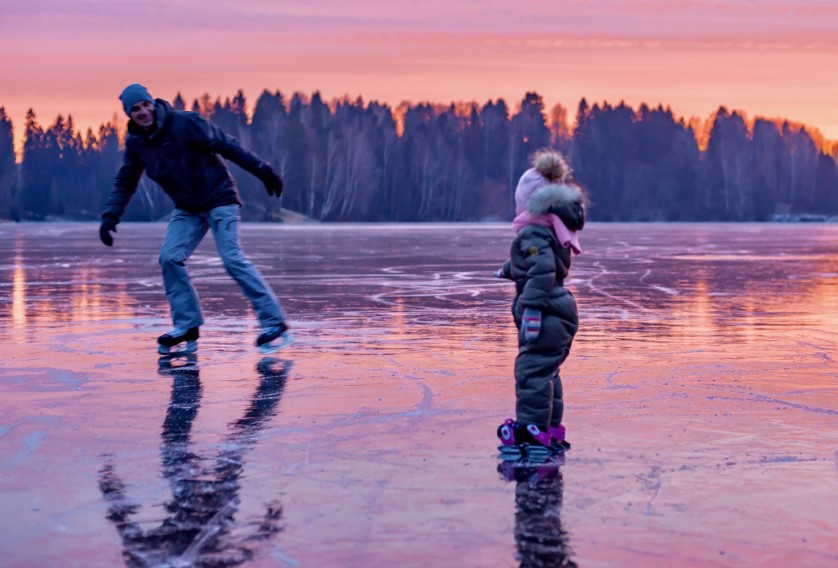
(539, 535)
(200, 529)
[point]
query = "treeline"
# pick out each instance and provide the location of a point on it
(351, 161)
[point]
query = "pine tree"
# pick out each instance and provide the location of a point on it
(36, 174)
(8, 169)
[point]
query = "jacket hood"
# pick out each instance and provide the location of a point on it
(553, 196)
(162, 109)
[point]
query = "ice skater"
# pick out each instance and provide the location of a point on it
(182, 152)
(550, 212)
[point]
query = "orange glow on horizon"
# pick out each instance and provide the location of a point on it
(777, 65)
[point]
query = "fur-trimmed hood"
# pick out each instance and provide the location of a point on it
(553, 196)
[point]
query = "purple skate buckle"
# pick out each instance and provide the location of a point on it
(539, 435)
(506, 433)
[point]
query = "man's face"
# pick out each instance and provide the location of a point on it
(143, 113)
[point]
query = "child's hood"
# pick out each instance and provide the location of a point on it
(553, 196)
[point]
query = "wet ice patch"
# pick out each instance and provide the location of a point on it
(44, 379)
(31, 443)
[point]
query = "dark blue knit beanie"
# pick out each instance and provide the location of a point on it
(132, 94)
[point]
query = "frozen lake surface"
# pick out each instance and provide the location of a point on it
(701, 401)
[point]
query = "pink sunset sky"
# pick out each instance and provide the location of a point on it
(768, 58)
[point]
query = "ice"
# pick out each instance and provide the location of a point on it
(701, 402)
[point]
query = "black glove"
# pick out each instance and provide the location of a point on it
(107, 227)
(273, 183)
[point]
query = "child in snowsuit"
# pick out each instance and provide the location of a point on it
(550, 212)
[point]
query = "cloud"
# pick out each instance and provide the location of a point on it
(74, 57)
(132, 20)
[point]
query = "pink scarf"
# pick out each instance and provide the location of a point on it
(567, 238)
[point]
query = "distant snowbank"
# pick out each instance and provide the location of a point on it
(804, 218)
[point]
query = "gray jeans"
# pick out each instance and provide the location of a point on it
(184, 233)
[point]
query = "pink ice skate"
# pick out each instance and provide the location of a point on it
(527, 442)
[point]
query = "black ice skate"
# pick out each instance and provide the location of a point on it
(274, 338)
(176, 337)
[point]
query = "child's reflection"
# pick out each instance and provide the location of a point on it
(199, 528)
(539, 535)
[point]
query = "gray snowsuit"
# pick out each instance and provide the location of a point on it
(538, 265)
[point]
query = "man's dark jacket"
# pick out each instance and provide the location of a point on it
(183, 155)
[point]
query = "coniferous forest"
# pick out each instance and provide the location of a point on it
(348, 160)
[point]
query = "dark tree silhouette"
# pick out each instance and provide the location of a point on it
(348, 160)
(8, 169)
(36, 174)
(498, 185)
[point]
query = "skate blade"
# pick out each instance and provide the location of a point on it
(172, 363)
(559, 448)
(179, 349)
(280, 342)
(509, 453)
(538, 454)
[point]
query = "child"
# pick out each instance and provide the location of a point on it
(550, 212)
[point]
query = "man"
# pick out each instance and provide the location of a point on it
(182, 152)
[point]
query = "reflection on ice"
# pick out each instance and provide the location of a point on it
(541, 539)
(198, 530)
(18, 291)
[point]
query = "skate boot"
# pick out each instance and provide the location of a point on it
(524, 442)
(557, 433)
(509, 449)
(536, 444)
(189, 337)
(274, 338)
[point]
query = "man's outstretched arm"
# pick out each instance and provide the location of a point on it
(216, 140)
(124, 187)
